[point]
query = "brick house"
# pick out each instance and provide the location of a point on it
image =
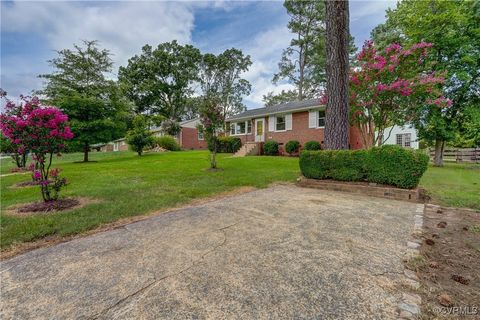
(301, 120)
(189, 137)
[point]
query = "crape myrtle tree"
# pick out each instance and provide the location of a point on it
(42, 130)
(391, 87)
(210, 109)
(453, 27)
(79, 86)
(337, 112)
(13, 137)
(160, 80)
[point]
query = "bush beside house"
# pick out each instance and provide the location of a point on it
(167, 143)
(227, 144)
(312, 145)
(270, 148)
(392, 165)
(292, 147)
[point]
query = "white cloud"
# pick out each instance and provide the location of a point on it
(122, 27)
(266, 49)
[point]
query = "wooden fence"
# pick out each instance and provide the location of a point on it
(459, 155)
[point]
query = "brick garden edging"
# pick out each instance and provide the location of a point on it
(410, 305)
(369, 189)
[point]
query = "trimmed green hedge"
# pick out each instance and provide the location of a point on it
(227, 144)
(270, 148)
(390, 164)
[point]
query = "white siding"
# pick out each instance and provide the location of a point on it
(392, 139)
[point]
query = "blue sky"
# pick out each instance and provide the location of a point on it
(32, 31)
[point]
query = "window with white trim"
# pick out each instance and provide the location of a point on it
(404, 140)
(321, 118)
(237, 128)
(200, 135)
(280, 123)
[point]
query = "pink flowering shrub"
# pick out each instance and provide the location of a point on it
(42, 131)
(388, 87)
(211, 118)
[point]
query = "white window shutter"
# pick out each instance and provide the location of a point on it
(288, 121)
(271, 123)
(312, 118)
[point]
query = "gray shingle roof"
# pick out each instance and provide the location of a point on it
(278, 108)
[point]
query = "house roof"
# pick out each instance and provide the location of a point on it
(278, 108)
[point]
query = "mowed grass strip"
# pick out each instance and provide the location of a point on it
(126, 185)
(454, 185)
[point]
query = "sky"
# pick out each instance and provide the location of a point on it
(31, 31)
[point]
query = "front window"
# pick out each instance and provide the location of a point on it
(407, 138)
(200, 135)
(244, 127)
(280, 124)
(321, 118)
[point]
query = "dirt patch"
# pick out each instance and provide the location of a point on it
(40, 207)
(451, 259)
(48, 241)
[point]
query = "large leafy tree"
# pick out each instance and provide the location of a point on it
(337, 112)
(453, 27)
(160, 81)
(80, 87)
(230, 65)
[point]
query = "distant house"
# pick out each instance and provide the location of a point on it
(187, 138)
(301, 120)
(405, 136)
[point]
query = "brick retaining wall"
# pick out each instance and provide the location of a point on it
(412, 195)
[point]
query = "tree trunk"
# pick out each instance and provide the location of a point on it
(85, 152)
(438, 159)
(336, 115)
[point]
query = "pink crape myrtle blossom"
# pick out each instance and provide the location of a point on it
(388, 86)
(41, 131)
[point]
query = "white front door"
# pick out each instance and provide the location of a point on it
(259, 130)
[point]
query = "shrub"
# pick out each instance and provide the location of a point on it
(292, 146)
(392, 165)
(312, 145)
(270, 148)
(167, 142)
(227, 144)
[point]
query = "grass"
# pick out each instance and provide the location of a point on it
(454, 185)
(127, 185)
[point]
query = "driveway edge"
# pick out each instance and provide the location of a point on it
(410, 305)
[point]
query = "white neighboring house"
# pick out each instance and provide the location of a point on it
(405, 136)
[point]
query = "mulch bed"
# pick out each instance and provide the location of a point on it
(450, 270)
(44, 207)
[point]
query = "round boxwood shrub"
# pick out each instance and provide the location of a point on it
(226, 144)
(167, 142)
(292, 146)
(270, 148)
(312, 145)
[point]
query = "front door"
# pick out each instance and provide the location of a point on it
(259, 130)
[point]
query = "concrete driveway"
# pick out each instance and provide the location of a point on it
(281, 252)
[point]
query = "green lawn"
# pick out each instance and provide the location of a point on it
(128, 185)
(454, 185)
